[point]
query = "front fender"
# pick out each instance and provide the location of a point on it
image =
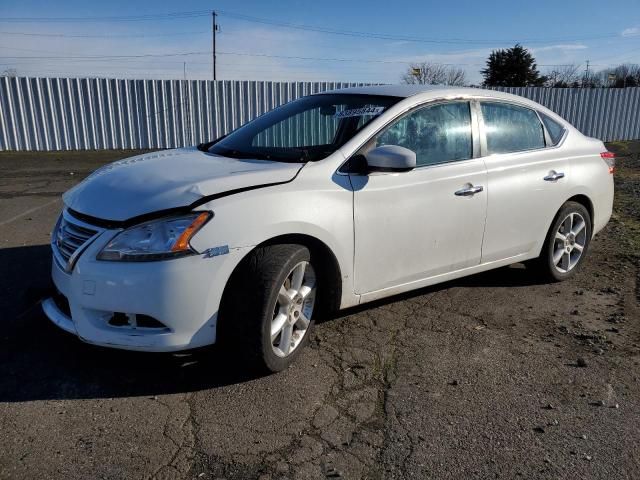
(251, 218)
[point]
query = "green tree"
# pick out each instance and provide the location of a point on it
(513, 67)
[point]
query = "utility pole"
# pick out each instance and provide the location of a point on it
(214, 28)
(185, 103)
(586, 75)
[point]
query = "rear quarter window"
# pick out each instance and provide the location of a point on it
(554, 129)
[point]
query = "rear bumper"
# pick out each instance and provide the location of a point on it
(181, 295)
(603, 206)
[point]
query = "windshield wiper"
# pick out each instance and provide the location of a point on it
(233, 153)
(309, 155)
(240, 154)
(289, 155)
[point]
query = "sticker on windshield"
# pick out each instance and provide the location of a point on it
(359, 112)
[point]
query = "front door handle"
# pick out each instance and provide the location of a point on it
(553, 176)
(468, 191)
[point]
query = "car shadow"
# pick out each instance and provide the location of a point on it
(40, 362)
(512, 276)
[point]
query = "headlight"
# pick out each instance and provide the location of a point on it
(155, 240)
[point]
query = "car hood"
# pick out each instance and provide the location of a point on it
(169, 179)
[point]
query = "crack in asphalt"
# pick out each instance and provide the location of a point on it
(185, 447)
(471, 379)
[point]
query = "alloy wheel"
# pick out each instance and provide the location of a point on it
(294, 307)
(569, 243)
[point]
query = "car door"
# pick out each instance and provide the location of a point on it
(527, 177)
(427, 221)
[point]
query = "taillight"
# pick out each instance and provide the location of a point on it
(610, 159)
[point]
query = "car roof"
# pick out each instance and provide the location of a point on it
(393, 90)
(427, 91)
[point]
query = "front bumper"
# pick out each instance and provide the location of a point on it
(58, 316)
(182, 295)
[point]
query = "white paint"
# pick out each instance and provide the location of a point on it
(168, 179)
(390, 232)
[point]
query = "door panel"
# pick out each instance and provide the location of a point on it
(521, 203)
(412, 225)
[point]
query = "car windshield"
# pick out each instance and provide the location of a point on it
(307, 129)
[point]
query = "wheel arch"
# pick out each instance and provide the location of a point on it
(327, 267)
(580, 198)
(583, 200)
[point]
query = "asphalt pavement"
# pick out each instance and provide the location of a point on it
(498, 375)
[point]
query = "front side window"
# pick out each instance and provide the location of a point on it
(510, 128)
(555, 130)
(307, 129)
(437, 134)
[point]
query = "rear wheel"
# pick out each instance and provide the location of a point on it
(267, 311)
(567, 242)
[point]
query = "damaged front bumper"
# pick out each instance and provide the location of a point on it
(156, 306)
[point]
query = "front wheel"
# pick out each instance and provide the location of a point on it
(267, 311)
(567, 242)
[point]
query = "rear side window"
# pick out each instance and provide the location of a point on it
(510, 128)
(555, 130)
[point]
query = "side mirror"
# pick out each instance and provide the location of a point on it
(391, 158)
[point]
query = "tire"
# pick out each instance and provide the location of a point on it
(572, 250)
(254, 302)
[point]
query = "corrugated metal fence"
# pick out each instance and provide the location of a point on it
(605, 113)
(83, 113)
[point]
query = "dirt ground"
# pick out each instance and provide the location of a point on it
(493, 376)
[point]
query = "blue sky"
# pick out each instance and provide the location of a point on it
(459, 33)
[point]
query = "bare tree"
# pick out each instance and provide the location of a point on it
(626, 75)
(564, 76)
(456, 77)
(9, 72)
(426, 73)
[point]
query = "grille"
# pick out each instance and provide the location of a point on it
(70, 238)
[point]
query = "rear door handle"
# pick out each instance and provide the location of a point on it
(466, 192)
(553, 176)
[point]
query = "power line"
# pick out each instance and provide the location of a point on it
(175, 75)
(178, 65)
(248, 18)
(622, 55)
(322, 59)
(105, 57)
(133, 35)
(384, 36)
(247, 54)
(120, 18)
(360, 60)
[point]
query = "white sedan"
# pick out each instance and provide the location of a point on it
(327, 202)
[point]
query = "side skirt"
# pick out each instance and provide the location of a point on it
(444, 277)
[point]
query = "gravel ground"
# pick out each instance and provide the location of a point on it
(493, 376)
